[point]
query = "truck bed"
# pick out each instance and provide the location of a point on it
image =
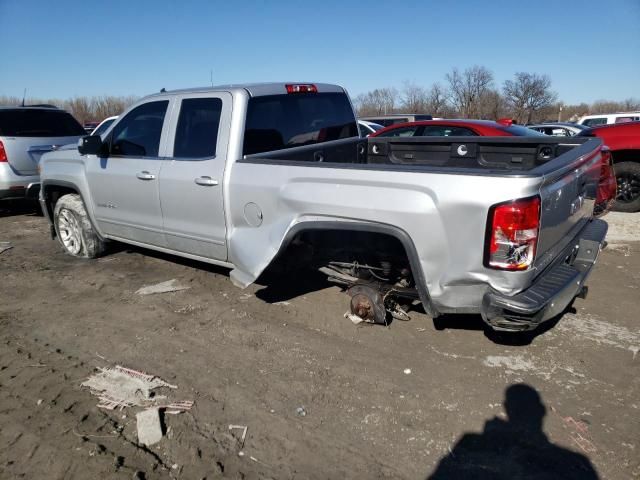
(471, 155)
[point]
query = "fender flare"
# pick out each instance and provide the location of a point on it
(396, 232)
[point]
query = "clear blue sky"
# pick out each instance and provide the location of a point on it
(63, 48)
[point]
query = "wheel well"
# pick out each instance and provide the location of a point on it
(378, 246)
(51, 195)
(626, 156)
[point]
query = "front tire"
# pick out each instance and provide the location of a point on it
(74, 230)
(628, 180)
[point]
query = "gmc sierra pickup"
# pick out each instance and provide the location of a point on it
(246, 175)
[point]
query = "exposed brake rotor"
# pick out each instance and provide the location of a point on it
(368, 304)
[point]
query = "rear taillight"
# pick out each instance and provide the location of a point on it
(513, 234)
(3, 153)
(301, 88)
(607, 188)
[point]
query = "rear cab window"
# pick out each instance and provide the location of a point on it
(34, 122)
(276, 122)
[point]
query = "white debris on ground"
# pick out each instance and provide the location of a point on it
(516, 363)
(591, 328)
(4, 246)
(623, 227)
(163, 287)
(124, 387)
(121, 387)
(355, 319)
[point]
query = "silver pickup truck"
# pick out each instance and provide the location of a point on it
(245, 176)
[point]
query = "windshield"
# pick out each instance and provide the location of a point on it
(39, 123)
(103, 126)
(276, 122)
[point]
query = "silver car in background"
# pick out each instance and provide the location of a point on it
(367, 128)
(26, 133)
(558, 129)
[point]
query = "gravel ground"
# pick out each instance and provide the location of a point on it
(321, 398)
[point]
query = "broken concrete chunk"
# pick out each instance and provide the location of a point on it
(149, 426)
(4, 246)
(163, 287)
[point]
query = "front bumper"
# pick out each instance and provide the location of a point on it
(553, 290)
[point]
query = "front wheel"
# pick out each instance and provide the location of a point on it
(74, 230)
(628, 180)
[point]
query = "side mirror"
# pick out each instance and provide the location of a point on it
(91, 145)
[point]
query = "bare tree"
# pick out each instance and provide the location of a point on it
(527, 94)
(80, 107)
(380, 101)
(492, 105)
(467, 88)
(437, 104)
(414, 98)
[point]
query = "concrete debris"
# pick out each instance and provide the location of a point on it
(149, 426)
(4, 246)
(355, 319)
(177, 407)
(163, 287)
(121, 387)
(244, 432)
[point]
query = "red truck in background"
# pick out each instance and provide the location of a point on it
(623, 140)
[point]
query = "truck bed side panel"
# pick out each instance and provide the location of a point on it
(447, 228)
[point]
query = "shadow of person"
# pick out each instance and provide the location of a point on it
(515, 448)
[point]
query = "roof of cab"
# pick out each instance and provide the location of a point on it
(254, 89)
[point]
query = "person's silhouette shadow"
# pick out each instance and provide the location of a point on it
(514, 449)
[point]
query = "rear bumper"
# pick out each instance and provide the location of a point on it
(553, 290)
(17, 186)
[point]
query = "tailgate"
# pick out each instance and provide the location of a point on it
(23, 153)
(568, 197)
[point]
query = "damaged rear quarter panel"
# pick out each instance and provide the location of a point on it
(444, 215)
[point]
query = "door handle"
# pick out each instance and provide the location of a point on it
(206, 181)
(144, 175)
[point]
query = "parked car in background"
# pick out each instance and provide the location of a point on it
(559, 129)
(90, 127)
(25, 134)
(623, 139)
(367, 128)
(104, 125)
(394, 118)
(455, 128)
(609, 118)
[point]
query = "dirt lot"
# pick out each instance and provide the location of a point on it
(415, 400)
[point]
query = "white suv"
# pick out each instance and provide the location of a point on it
(608, 118)
(25, 134)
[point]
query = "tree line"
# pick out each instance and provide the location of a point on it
(473, 93)
(469, 93)
(84, 109)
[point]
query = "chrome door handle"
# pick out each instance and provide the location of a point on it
(144, 175)
(206, 181)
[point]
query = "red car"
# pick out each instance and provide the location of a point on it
(455, 128)
(623, 139)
